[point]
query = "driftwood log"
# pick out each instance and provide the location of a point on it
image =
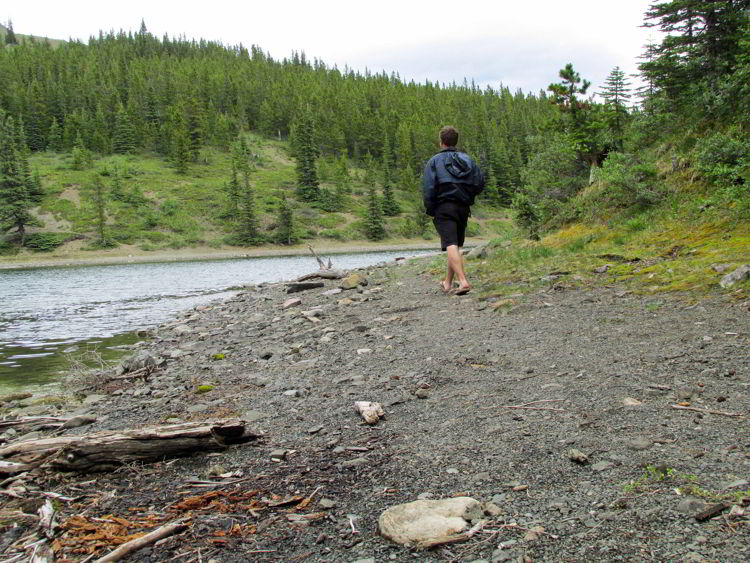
(104, 451)
(152, 537)
(324, 274)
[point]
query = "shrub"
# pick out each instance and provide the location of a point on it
(630, 182)
(722, 158)
(46, 242)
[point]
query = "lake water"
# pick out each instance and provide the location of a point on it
(51, 318)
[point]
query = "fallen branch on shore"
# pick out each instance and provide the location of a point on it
(708, 411)
(152, 537)
(104, 451)
(528, 406)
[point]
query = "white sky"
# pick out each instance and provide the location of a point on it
(520, 43)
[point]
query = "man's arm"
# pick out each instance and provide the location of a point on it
(429, 188)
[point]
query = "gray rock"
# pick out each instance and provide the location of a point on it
(278, 454)
(334, 291)
(602, 466)
(690, 505)
(180, 330)
(740, 274)
(353, 463)
(578, 456)
(200, 407)
(639, 443)
(293, 302)
(253, 416)
(423, 520)
(293, 393)
(80, 420)
(94, 399)
(479, 252)
(326, 503)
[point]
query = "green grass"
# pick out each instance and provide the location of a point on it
(156, 208)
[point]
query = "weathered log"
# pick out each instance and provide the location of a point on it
(152, 537)
(38, 420)
(324, 274)
(11, 467)
(104, 451)
(296, 287)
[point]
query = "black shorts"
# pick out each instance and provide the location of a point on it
(450, 221)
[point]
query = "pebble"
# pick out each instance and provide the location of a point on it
(602, 466)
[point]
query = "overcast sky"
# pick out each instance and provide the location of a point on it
(520, 44)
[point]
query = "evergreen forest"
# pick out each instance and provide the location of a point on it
(132, 139)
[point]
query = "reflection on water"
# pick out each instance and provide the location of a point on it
(50, 314)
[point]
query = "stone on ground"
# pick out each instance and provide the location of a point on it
(425, 520)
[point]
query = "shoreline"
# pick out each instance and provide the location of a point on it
(136, 256)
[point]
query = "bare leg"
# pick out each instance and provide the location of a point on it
(456, 267)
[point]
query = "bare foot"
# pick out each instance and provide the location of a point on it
(445, 287)
(463, 289)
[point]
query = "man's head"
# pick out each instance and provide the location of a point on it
(449, 136)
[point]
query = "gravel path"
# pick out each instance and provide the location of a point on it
(598, 373)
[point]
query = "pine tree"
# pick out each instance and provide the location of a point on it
(15, 189)
(247, 231)
(390, 207)
(233, 195)
(124, 137)
(285, 233)
(99, 201)
(374, 227)
(616, 95)
(81, 155)
(54, 137)
(194, 120)
(181, 150)
(308, 188)
(10, 35)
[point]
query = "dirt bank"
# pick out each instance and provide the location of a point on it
(128, 255)
(480, 401)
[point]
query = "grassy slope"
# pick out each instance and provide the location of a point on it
(679, 245)
(160, 209)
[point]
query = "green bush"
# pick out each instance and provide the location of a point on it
(630, 182)
(723, 158)
(46, 242)
(473, 229)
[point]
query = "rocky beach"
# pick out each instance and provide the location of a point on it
(586, 425)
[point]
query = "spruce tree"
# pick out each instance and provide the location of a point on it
(233, 195)
(124, 137)
(374, 227)
(247, 228)
(54, 137)
(285, 233)
(81, 155)
(181, 150)
(16, 197)
(99, 201)
(308, 188)
(390, 207)
(10, 35)
(616, 95)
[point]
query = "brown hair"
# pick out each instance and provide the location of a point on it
(449, 136)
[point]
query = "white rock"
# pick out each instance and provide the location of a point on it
(425, 520)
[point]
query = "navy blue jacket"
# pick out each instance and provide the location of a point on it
(450, 175)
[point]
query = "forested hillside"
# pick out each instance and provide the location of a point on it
(136, 139)
(188, 103)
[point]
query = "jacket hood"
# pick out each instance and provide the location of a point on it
(459, 165)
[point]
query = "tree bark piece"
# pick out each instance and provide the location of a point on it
(707, 411)
(152, 537)
(371, 412)
(104, 451)
(296, 287)
(324, 274)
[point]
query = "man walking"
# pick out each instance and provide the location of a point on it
(451, 182)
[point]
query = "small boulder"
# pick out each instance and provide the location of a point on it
(293, 302)
(352, 281)
(425, 520)
(740, 274)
